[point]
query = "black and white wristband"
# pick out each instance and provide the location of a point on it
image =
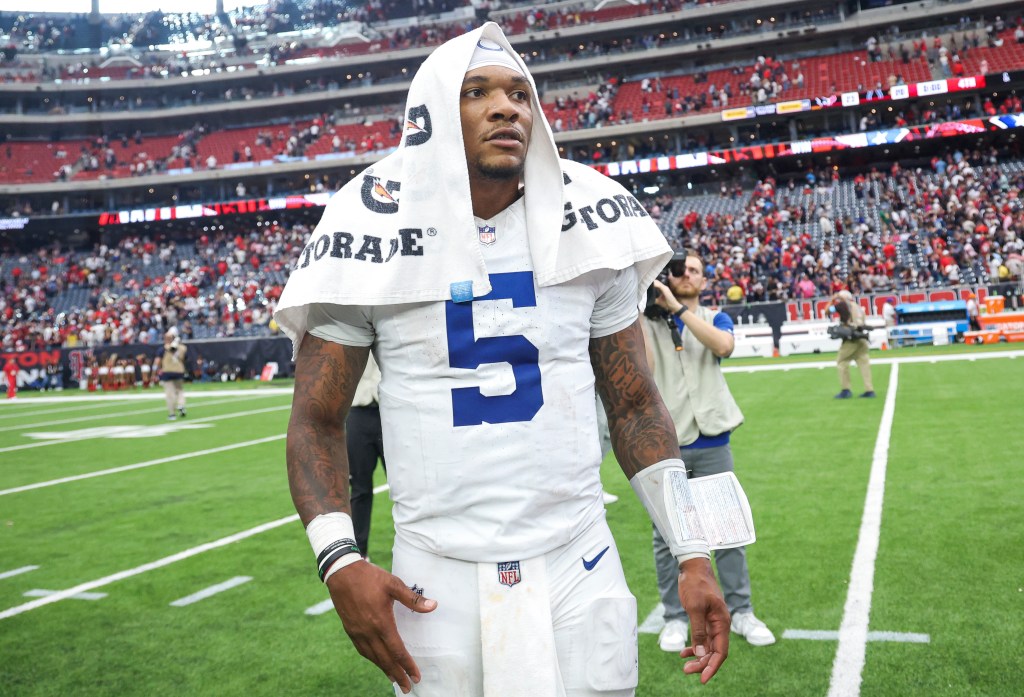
(333, 540)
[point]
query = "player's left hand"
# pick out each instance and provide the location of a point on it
(709, 619)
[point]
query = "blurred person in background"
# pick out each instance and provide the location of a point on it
(170, 366)
(11, 376)
(853, 348)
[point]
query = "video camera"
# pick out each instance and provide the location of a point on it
(847, 333)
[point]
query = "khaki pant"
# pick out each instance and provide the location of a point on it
(854, 351)
(174, 393)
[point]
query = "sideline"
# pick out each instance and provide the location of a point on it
(877, 361)
(138, 465)
(159, 563)
(106, 415)
(157, 394)
(853, 630)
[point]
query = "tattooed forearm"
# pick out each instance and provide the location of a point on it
(640, 425)
(326, 375)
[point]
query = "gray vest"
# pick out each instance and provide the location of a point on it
(691, 383)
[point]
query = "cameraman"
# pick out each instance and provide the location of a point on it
(685, 345)
(853, 331)
(170, 366)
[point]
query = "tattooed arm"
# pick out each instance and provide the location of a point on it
(643, 434)
(641, 427)
(326, 375)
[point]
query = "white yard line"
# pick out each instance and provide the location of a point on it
(320, 608)
(59, 410)
(654, 622)
(211, 591)
(18, 571)
(159, 563)
(853, 630)
(42, 593)
(133, 412)
(233, 415)
(138, 465)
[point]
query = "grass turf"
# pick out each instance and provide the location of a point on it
(945, 564)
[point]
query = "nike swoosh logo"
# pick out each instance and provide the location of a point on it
(589, 565)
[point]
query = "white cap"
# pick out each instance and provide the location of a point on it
(490, 52)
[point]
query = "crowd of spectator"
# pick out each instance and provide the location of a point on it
(959, 222)
(220, 284)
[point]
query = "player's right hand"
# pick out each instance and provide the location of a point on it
(364, 596)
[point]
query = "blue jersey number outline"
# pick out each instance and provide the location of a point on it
(470, 407)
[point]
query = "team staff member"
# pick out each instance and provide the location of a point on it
(853, 349)
(685, 349)
(170, 366)
(502, 551)
(365, 441)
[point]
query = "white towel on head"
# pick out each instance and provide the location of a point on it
(403, 231)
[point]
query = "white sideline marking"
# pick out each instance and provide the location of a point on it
(654, 622)
(320, 608)
(211, 591)
(89, 434)
(19, 570)
(848, 666)
(382, 487)
(157, 394)
(139, 465)
(785, 367)
(826, 635)
(42, 593)
(166, 561)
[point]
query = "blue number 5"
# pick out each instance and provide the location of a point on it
(469, 405)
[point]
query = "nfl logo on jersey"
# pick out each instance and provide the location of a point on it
(488, 234)
(508, 573)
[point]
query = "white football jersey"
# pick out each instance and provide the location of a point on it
(488, 408)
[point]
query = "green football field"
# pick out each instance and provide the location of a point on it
(140, 556)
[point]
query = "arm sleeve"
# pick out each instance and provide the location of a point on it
(342, 324)
(616, 307)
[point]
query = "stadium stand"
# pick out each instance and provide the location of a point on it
(259, 111)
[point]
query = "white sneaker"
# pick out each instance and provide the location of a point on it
(752, 629)
(673, 636)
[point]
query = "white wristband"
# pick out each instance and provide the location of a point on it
(663, 489)
(333, 539)
(350, 558)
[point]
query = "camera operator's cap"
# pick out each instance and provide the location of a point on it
(490, 52)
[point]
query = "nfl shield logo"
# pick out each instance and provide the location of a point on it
(488, 234)
(508, 573)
